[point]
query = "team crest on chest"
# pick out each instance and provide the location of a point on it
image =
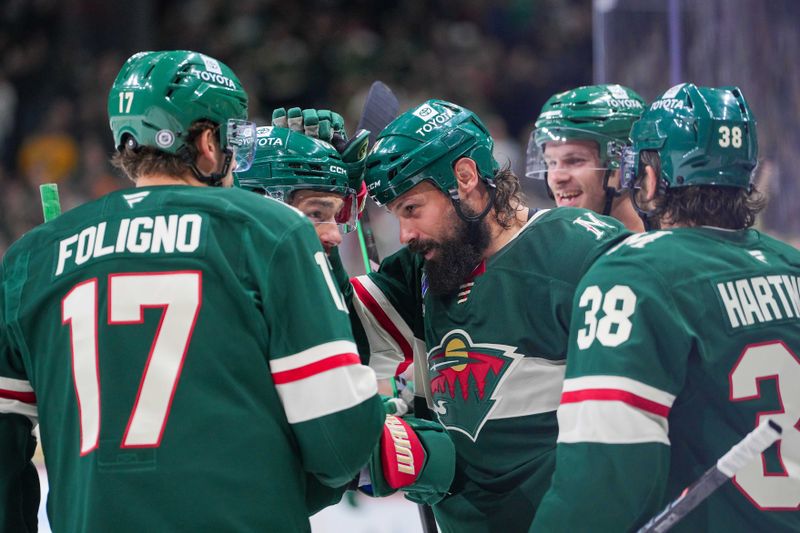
(466, 378)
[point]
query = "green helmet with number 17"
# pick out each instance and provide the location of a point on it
(703, 135)
(424, 144)
(157, 96)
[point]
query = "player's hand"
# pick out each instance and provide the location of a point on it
(328, 126)
(415, 456)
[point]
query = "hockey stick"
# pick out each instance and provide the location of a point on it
(380, 108)
(51, 206)
(737, 457)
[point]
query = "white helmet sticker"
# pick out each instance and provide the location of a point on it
(212, 65)
(425, 112)
(165, 138)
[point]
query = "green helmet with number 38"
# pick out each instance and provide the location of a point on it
(157, 96)
(600, 113)
(424, 144)
(287, 161)
(703, 135)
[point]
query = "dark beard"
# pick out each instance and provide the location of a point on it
(457, 256)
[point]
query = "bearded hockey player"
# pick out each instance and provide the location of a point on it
(577, 145)
(480, 299)
(161, 336)
(683, 339)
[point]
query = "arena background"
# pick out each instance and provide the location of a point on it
(501, 58)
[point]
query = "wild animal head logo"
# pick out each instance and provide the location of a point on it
(465, 380)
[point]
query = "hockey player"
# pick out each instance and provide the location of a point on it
(480, 298)
(683, 339)
(576, 148)
(310, 175)
(161, 336)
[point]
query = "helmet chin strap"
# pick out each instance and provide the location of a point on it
(215, 178)
(611, 193)
(650, 222)
(479, 216)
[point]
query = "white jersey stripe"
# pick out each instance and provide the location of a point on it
(609, 422)
(620, 383)
(387, 357)
(311, 355)
(16, 385)
(16, 407)
(326, 393)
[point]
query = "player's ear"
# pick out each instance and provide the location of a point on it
(649, 183)
(466, 173)
(207, 150)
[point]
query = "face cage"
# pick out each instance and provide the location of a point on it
(347, 216)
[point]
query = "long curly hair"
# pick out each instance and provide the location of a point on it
(508, 197)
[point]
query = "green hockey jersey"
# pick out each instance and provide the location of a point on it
(490, 359)
(682, 341)
(189, 360)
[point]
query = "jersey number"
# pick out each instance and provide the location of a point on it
(760, 362)
(179, 295)
(323, 264)
(615, 327)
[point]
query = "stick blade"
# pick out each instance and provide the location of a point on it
(380, 108)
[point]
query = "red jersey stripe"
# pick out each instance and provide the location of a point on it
(616, 395)
(25, 397)
(317, 367)
(383, 319)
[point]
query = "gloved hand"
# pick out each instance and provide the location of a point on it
(328, 126)
(413, 455)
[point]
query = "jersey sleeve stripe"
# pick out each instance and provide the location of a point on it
(16, 407)
(326, 393)
(25, 397)
(620, 383)
(610, 422)
(324, 365)
(371, 299)
(616, 395)
(18, 385)
(311, 355)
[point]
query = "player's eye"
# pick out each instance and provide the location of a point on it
(315, 216)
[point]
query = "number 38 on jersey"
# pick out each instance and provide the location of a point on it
(608, 316)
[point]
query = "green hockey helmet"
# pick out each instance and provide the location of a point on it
(286, 161)
(424, 144)
(157, 96)
(703, 135)
(600, 113)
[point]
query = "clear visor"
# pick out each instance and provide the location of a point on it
(627, 169)
(241, 140)
(539, 161)
(535, 166)
(320, 206)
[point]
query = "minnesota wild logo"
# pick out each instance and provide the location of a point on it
(465, 379)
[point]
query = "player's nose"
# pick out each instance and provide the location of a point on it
(329, 235)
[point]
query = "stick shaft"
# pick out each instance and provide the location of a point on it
(742, 453)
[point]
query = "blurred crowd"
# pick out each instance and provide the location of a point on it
(58, 59)
(501, 58)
